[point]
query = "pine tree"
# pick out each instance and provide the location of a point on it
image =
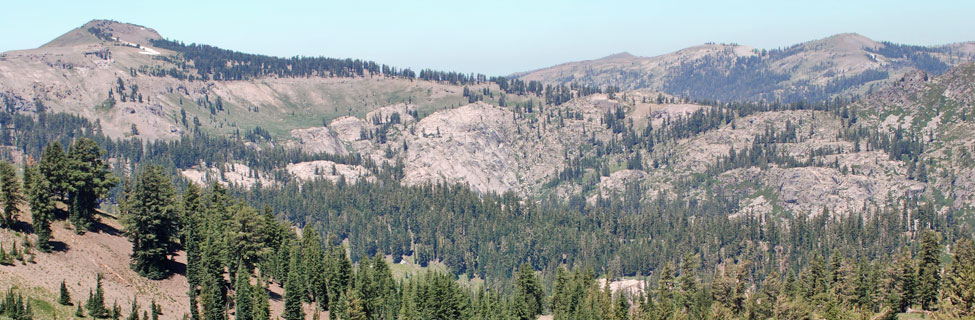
(96, 302)
(339, 273)
(41, 208)
(80, 313)
(212, 298)
(90, 181)
(903, 282)
(150, 222)
(561, 305)
(64, 298)
(408, 308)
(262, 307)
(959, 289)
(355, 309)
(134, 312)
(929, 270)
(116, 310)
(529, 292)
(156, 309)
(313, 260)
(242, 300)
(293, 292)
(622, 309)
(10, 194)
(191, 239)
(54, 167)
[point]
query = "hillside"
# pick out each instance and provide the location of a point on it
(846, 64)
(713, 174)
(78, 259)
(564, 142)
(75, 73)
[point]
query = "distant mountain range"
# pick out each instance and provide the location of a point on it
(844, 64)
(623, 163)
(477, 131)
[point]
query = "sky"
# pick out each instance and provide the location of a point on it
(494, 37)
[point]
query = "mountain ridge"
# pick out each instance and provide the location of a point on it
(475, 133)
(847, 64)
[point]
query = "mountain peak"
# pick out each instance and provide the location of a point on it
(621, 55)
(97, 30)
(848, 40)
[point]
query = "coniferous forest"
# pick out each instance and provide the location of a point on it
(690, 237)
(545, 257)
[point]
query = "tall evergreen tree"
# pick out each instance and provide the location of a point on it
(191, 238)
(41, 207)
(64, 297)
(529, 292)
(242, 300)
(313, 260)
(212, 298)
(90, 181)
(339, 273)
(959, 288)
(929, 270)
(10, 195)
(134, 310)
(150, 222)
(355, 309)
(901, 287)
(293, 292)
(96, 301)
(54, 167)
(262, 307)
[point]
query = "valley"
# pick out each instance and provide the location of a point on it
(718, 181)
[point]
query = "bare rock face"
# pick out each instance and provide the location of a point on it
(810, 189)
(388, 113)
(900, 92)
(348, 128)
(318, 140)
(959, 84)
(470, 144)
(323, 169)
(236, 174)
(618, 180)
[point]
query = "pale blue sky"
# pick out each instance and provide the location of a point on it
(496, 37)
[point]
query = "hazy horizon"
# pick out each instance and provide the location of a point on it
(496, 38)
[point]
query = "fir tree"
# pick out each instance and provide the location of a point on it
(116, 313)
(96, 302)
(262, 307)
(355, 309)
(90, 181)
(155, 308)
(54, 167)
(903, 276)
(528, 292)
(313, 260)
(64, 298)
(959, 288)
(929, 270)
(242, 300)
(41, 208)
(212, 298)
(339, 273)
(293, 292)
(150, 222)
(10, 194)
(134, 311)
